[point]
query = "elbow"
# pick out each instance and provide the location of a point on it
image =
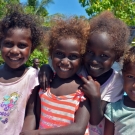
(95, 122)
(80, 131)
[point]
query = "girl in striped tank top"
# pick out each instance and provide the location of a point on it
(64, 109)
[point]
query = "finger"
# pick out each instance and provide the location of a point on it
(84, 79)
(97, 83)
(89, 78)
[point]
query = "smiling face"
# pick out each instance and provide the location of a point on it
(99, 56)
(129, 80)
(66, 57)
(16, 47)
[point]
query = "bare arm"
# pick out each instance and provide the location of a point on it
(82, 117)
(30, 119)
(109, 127)
(97, 111)
(91, 89)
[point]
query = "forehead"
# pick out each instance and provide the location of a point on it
(101, 40)
(23, 32)
(130, 68)
(68, 44)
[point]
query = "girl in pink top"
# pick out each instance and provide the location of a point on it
(19, 35)
(64, 111)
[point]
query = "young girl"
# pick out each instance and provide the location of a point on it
(19, 36)
(64, 110)
(106, 43)
(120, 115)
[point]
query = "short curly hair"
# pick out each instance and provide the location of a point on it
(16, 18)
(115, 28)
(129, 57)
(77, 28)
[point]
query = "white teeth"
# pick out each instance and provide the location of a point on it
(133, 92)
(14, 59)
(64, 69)
(95, 68)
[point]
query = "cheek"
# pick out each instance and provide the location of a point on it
(4, 51)
(27, 52)
(55, 61)
(77, 64)
(128, 84)
(108, 63)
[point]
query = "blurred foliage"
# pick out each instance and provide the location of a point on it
(42, 56)
(123, 9)
(37, 7)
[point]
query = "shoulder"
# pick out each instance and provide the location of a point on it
(112, 90)
(115, 105)
(32, 76)
(1, 67)
(32, 71)
(113, 110)
(116, 77)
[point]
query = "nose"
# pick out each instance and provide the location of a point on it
(14, 50)
(95, 60)
(65, 61)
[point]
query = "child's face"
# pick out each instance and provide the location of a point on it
(129, 81)
(66, 57)
(16, 47)
(99, 55)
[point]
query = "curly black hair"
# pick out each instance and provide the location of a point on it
(129, 57)
(77, 28)
(115, 28)
(16, 18)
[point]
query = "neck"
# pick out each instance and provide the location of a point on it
(128, 102)
(104, 77)
(66, 79)
(35, 67)
(8, 68)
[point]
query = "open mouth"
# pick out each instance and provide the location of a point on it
(14, 58)
(133, 91)
(64, 69)
(94, 68)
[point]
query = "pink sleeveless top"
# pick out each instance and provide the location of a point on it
(13, 100)
(57, 111)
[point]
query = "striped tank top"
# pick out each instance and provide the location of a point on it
(57, 111)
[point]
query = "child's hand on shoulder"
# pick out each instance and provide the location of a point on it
(29, 132)
(90, 88)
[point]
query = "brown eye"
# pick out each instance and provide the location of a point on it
(8, 44)
(22, 46)
(104, 55)
(73, 57)
(130, 77)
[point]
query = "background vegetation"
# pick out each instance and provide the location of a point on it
(123, 9)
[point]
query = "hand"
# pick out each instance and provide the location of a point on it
(29, 132)
(90, 88)
(45, 76)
